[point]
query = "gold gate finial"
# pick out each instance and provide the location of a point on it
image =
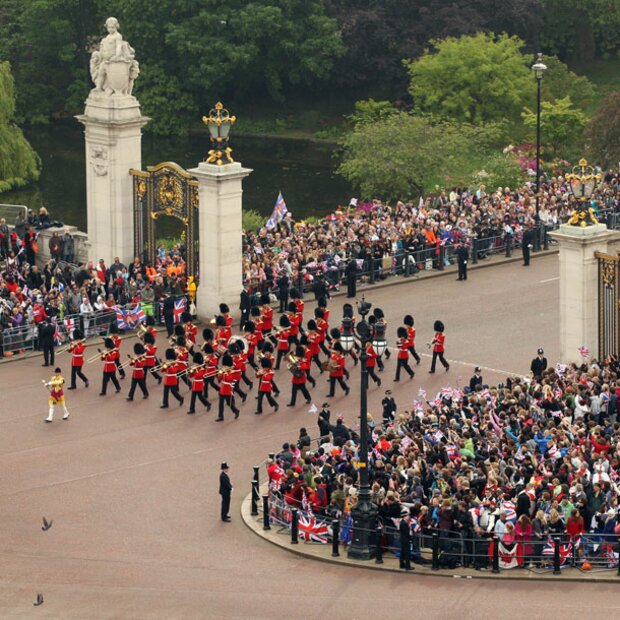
(219, 122)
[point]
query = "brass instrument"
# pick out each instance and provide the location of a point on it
(330, 365)
(66, 348)
(293, 364)
(133, 359)
(142, 330)
(95, 357)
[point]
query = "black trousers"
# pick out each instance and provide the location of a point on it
(351, 286)
(169, 322)
(107, 377)
(154, 373)
(414, 354)
(134, 384)
(174, 390)
(317, 361)
(228, 400)
(210, 381)
(201, 398)
(400, 364)
(299, 387)
(121, 372)
(279, 357)
(526, 253)
(442, 359)
(373, 375)
(76, 371)
(332, 385)
(462, 271)
(405, 552)
(270, 399)
(225, 506)
(48, 354)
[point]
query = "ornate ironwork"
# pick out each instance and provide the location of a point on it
(165, 189)
(583, 182)
(219, 122)
(608, 304)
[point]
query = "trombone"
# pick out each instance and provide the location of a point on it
(67, 347)
(92, 359)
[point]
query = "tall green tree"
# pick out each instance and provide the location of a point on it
(603, 132)
(19, 164)
(403, 155)
(472, 79)
(561, 124)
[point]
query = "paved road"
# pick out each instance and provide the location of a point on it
(132, 490)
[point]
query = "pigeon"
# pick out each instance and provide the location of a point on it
(39, 600)
(46, 525)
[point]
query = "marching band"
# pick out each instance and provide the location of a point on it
(221, 361)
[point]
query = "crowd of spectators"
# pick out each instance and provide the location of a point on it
(524, 460)
(383, 235)
(29, 295)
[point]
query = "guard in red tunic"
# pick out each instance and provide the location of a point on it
(298, 369)
(314, 342)
(266, 312)
(307, 361)
(408, 321)
(253, 337)
(299, 304)
(117, 345)
(171, 368)
(197, 376)
(283, 339)
(182, 357)
(210, 361)
(322, 326)
(109, 359)
(225, 312)
(438, 345)
(265, 377)
(189, 329)
(222, 334)
(138, 372)
(227, 381)
(257, 317)
(371, 363)
(77, 348)
(208, 338)
(295, 320)
(322, 304)
(150, 356)
(336, 370)
(402, 359)
(233, 350)
(240, 361)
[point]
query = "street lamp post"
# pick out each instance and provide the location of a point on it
(583, 181)
(219, 123)
(364, 513)
(539, 70)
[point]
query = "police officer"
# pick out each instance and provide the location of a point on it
(462, 256)
(389, 408)
(539, 364)
(324, 424)
(404, 529)
(476, 380)
(46, 341)
(527, 243)
(225, 491)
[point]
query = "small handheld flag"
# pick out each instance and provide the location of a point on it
(279, 211)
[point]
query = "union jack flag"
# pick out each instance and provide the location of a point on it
(69, 325)
(58, 339)
(180, 306)
(278, 213)
(566, 550)
(129, 319)
(313, 530)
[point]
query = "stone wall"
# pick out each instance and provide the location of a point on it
(81, 245)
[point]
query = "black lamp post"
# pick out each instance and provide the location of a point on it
(364, 513)
(539, 70)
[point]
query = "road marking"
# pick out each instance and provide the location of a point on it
(550, 280)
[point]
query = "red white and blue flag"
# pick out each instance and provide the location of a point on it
(58, 339)
(278, 213)
(312, 529)
(566, 550)
(129, 319)
(70, 326)
(584, 351)
(180, 306)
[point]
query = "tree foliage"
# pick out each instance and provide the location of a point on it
(19, 164)
(561, 124)
(369, 111)
(472, 79)
(403, 155)
(603, 132)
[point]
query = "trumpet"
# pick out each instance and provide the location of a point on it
(94, 358)
(66, 348)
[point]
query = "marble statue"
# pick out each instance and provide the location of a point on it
(113, 67)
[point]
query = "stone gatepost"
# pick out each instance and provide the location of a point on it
(220, 232)
(579, 311)
(113, 130)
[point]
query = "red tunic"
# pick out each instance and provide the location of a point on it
(228, 320)
(323, 327)
(109, 359)
(138, 368)
(299, 377)
(300, 307)
(314, 338)
(211, 363)
(190, 332)
(151, 330)
(239, 362)
(117, 342)
(283, 344)
(266, 378)
(411, 337)
(267, 314)
(403, 348)
(198, 379)
(339, 359)
(170, 378)
(295, 320)
(253, 340)
(77, 354)
(149, 359)
(439, 341)
(222, 336)
(371, 360)
(227, 379)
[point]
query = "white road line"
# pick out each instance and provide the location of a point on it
(550, 280)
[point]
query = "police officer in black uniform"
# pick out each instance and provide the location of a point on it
(404, 529)
(539, 364)
(46, 341)
(389, 408)
(324, 424)
(527, 243)
(476, 380)
(225, 492)
(462, 256)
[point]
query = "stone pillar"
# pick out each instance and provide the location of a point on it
(113, 129)
(579, 286)
(220, 231)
